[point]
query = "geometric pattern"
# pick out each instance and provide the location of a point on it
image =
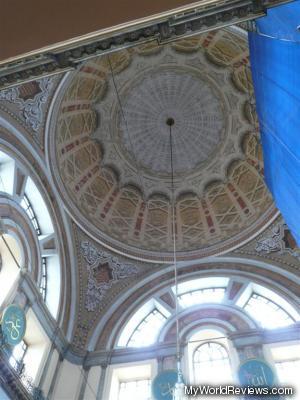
(104, 271)
(122, 190)
(29, 98)
(280, 240)
(193, 104)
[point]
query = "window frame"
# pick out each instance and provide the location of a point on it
(208, 342)
(31, 214)
(18, 364)
(268, 300)
(136, 381)
(202, 290)
(43, 281)
(141, 323)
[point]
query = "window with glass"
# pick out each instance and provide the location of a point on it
(17, 356)
(43, 283)
(25, 203)
(137, 389)
(211, 364)
(263, 306)
(33, 203)
(288, 371)
(148, 329)
(207, 295)
(269, 314)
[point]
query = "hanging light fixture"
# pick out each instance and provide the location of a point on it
(178, 393)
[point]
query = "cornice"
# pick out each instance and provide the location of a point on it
(67, 56)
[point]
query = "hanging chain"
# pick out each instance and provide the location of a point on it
(174, 255)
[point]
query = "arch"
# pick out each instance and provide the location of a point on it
(267, 275)
(224, 328)
(25, 197)
(223, 315)
(24, 159)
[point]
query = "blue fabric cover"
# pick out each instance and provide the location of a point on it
(281, 22)
(275, 64)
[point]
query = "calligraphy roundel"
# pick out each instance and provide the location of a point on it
(256, 373)
(13, 324)
(163, 385)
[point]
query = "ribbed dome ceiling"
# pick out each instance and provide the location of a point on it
(112, 163)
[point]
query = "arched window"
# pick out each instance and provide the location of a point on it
(144, 326)
(257, 303)
(200, 291)
(268, 313)
(208, 295)
(211, 364)
(146, 332)
(25, 203)
(18, 187)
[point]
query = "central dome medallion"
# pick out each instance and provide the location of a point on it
(191, 102)
(110, 149)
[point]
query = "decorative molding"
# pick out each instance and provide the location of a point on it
(279, 241)
(104, 271)
(29, 97)
(201, 19)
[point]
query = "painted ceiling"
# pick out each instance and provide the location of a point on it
(110, 149)
(103, 155)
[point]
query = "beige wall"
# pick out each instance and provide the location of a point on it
(50, 372)
(68, 382)
(92, 384)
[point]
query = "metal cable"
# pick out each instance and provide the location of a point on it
(10, 251)
(174, 248)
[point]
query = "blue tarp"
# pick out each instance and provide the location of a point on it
(275, 64)
(282, 22)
